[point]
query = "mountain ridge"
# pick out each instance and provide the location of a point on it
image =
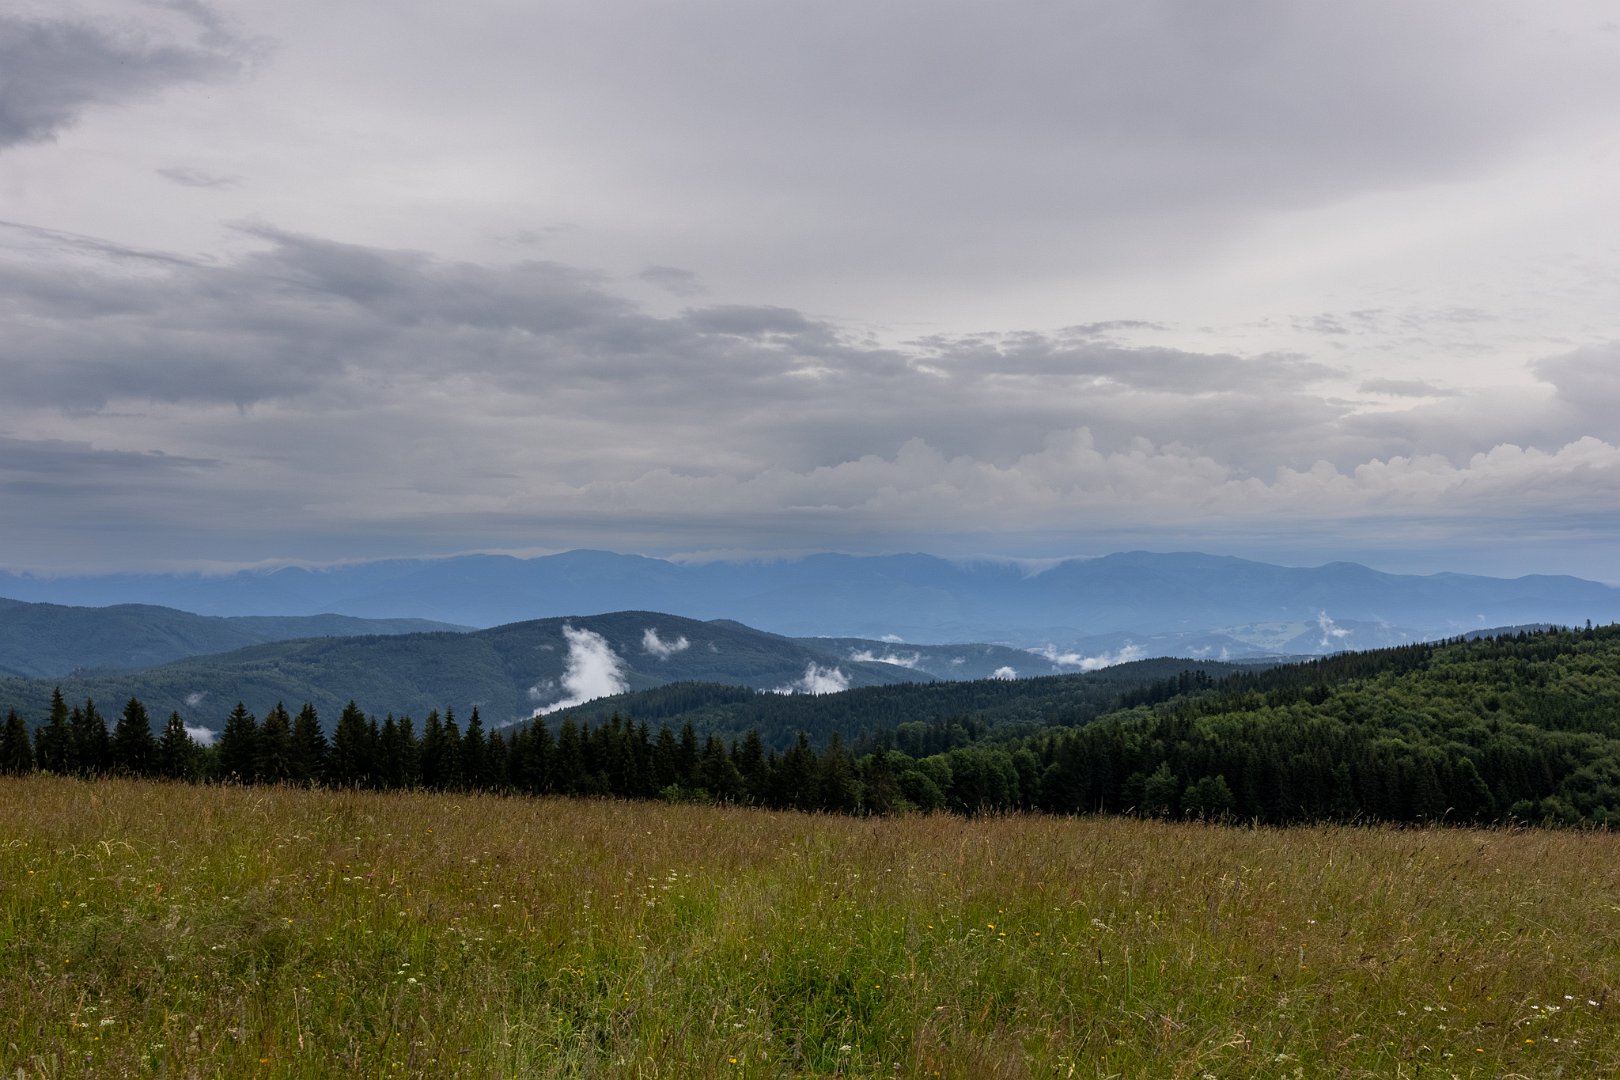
(916, 597)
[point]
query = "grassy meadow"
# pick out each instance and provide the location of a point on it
(151, 929)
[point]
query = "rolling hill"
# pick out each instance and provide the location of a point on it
(508, 672)
(50, 640)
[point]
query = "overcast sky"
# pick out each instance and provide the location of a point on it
(318, 280)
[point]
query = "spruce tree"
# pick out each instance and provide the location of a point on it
(497, 763)
(238, 746)
(91, 744)
(275, 750)
(474, 754)
(176, 751)
(307, 764)
(716, 773)
(431, 758)
(134, 751)
(568, 762)
(351, 762)
(451, 764)
(666, 760)
(749, 757)
(838, 789)
(52, 740)
(686, 760)
(16, 750)
(793, 781)
(390, 756)
(530, 764)
(410, 751)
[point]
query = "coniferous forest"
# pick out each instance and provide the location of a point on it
(1520, 727)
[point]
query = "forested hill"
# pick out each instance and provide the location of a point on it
(919, 718)
(507, 671)
(50, 640)
(1523, 726)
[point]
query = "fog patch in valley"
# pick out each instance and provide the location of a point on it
(816, 680)
(593, 671)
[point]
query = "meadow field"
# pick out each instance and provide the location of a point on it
(171, 930)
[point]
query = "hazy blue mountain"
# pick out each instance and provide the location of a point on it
(1185, 602)
(507, 672)
(48, 640)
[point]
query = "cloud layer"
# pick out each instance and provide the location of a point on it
(1292, 282)
(370, 390)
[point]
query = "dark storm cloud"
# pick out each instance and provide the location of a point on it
(52, 71)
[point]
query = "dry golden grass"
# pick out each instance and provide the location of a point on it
(167, 930)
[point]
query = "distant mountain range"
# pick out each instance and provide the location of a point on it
(511, 671)
(1088, 611)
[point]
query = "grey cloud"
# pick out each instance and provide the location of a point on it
(330, 326)
(1164, 369)
(1110, 327)
(198, 178)
(749, 321)
(673, 280)
(51, 71)
(1587, 386)
(59, 461)
(1088, 134)
(392, 394)
(1321, 324)
(1414, 388)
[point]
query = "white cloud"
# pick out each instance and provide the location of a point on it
(593, 670)
(1004, 673)
(893, 639)
(867, 656)
(653, 645)
(201, 735)
(1081, 662)
(817, 680)
(195, 698)
(1333, 635)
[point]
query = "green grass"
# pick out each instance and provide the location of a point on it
(171, 930)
